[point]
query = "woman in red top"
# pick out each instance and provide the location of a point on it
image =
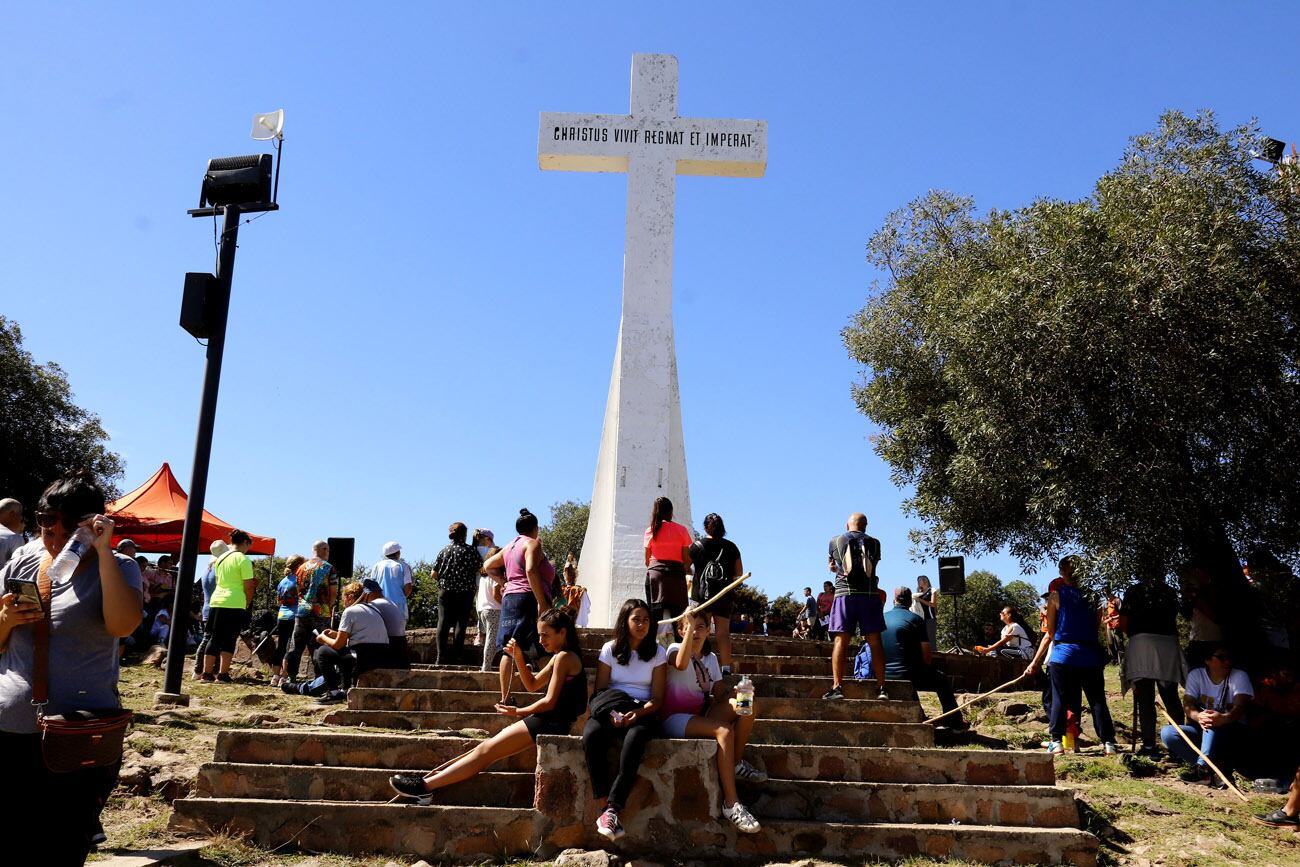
(667, 557)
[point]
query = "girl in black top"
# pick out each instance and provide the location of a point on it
(553, 714)
(713, 548)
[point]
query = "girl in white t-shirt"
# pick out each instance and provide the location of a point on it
(1015, 642)
(629, 691)
(696, 706)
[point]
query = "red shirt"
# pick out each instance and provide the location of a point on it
(668, 543)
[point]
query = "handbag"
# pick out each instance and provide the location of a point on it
(81, 739)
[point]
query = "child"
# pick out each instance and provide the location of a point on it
(554, 714)
(694, 708)
(630, 681)
(286, 593)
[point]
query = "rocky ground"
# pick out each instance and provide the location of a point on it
(1142, 812)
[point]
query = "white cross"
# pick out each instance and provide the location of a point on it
(642, 455)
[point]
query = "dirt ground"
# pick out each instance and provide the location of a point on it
(1141, 820)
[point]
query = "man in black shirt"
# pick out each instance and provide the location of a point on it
(858, 604)
(908, 655)
(456, 571)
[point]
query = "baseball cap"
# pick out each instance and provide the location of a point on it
(125, 542)
(391, 548)
(370, 585)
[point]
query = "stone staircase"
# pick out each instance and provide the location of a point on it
(855, 779)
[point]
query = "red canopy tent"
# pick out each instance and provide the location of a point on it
(153, 516)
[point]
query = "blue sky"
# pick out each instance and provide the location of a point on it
(424, 333)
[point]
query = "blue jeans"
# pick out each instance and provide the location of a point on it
(1219, 744)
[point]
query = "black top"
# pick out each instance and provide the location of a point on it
(1151, 606)
(839, 545)
(457, 566)
(572, 701)
(928, 596)
(706, 549)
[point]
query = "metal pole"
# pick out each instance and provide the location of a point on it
(202, 453)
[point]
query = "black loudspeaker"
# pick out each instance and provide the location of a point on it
(197, 304)
(342, 553)
(952, 575)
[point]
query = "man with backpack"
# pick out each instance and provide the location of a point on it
(857, 605)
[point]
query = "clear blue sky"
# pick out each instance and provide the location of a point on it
(424, 333)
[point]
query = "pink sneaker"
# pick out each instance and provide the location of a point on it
(608, 825)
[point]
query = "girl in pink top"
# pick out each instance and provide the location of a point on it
(667, 557)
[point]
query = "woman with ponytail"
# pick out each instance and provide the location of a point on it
(667, 553)
(530, 587)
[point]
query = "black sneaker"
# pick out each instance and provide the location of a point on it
(1279, 819)
(1195, 775)
(411, 786)
(334, 696)
(835, 693)
(224, 678)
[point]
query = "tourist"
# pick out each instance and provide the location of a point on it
(909, 655)
(228, 607)
(926, 606)
(1288, 815)
(1077, 662)
(456, 570)
(575, 595)
(825, 602)
(396, 579)
(1015, 642)
(491, 586)
(554, 713)
(1154, 661)
(857, 605)
(1274, 722)
(1201, 608)
(716, 563)
(207, 584)
(12, 526)
(667, 553)
(317, 588)
(1214, 700)
(805, 624)
(357, 646)
(372, 594)
(1114, 637)
(100, 603)
(630, 683)
(530, 587)
(696, 705)
(286, 594)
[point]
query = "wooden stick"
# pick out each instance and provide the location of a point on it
(979, 697)
(1191, 744)
(723, 592)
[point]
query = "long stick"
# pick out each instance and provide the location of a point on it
(723, 592)
(979, 697)
(1197, 749)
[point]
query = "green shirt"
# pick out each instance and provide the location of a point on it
(232, 571)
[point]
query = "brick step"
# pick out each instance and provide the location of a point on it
(367, 698)
(316, 783)
(463, 833)
(766, 731)
(593, 640)
(774, 686)
(342, 748)
(904, 765)
(1022, 806)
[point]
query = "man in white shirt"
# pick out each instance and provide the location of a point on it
(1215, 702)
(11, 528)
(395, 578)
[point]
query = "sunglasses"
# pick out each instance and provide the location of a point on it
(46, 520)
(1223, 657)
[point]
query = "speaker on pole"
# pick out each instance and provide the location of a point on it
(952, 575)
(342, 553)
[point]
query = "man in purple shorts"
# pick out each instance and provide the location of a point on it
(858, 604)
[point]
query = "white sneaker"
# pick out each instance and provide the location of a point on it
(741, 818)
(1109, 749)
(275, 680)
(1055, 749)
(748, 773)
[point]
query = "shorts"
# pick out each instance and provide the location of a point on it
(675, 726)
(861, 611)
(545, 724)
(723, 607)
(518, 621)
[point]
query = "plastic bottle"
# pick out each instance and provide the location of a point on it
(66, 563)
(745, 696)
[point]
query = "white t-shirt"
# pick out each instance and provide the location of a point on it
(1019, 643)
(633, 678)
(1207, 693)
(485, 601)
(584, 611)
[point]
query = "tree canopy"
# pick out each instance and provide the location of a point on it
(962, 621)
(43, 434)
(564, 534)
(1116, 374)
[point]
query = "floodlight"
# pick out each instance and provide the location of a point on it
(237, 181)
(1272, 150)
(268, 126)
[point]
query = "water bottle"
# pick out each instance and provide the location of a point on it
(745, 696)
(66, 563)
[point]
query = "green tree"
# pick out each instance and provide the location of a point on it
(965, 617)
(786, 608)
(43, 434)
(564, 534)
(1116, 374)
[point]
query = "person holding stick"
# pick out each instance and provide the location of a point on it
(1214, 701)
(553, 714)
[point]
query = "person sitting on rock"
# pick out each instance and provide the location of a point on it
(908, 656)
(630, 685)
(696, 706)
(553, 714)
(1015, 642)
(1214, 700)
(358, 645)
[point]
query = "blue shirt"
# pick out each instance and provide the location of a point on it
(287, 591)
(209, 583)
(393, 576)
(1076, 631)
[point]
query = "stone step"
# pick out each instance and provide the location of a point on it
(317, 783)
(1023, 806)
(465, 833)
(342, 748)
(755, 645)
(774, 686)
(766, 730)
(904, 765)
(367, 698)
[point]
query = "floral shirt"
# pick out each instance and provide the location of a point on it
(457, 567)
(316, 588)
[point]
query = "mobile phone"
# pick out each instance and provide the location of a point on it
(25, 589)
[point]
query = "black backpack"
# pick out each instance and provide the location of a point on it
(712, 577)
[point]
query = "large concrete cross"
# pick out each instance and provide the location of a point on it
(641, 451)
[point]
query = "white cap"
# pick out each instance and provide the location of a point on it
(218, 548)
(391, 548)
